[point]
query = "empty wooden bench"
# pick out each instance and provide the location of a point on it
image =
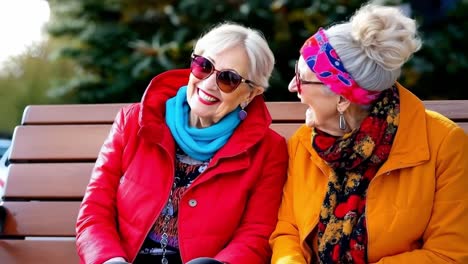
(52, 155)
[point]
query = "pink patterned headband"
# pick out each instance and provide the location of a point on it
(323, 60)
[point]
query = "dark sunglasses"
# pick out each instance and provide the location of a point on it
(227, 80)
(300, 82)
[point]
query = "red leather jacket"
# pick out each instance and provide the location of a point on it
(228, 213)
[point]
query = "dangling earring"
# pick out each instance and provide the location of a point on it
(242, 113)
(342, 122)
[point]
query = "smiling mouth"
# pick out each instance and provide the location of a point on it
(206, 98)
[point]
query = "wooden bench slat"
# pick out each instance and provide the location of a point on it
(286, 130)
(70, 114)
(281, 111)
(47, 181)
(36, 252)
(105, 113)
(464, 125)
(73, 142)
(58, 142)
(82, 142)
(37, 218)
(456, 110)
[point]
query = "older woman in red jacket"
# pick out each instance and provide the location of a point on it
(193, 171)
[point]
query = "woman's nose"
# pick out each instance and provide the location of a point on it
(209, 82)
(292, 87)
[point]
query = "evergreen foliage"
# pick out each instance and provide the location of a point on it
(119, 45)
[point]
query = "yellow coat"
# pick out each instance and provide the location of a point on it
(417, 204)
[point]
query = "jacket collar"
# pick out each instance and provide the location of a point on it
(165, 86)
(153, 128)
(410, 146)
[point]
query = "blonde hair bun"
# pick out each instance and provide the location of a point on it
(385, 34)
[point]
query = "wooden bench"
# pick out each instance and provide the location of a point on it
(53, 152)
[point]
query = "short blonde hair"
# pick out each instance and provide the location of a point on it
(226, 35)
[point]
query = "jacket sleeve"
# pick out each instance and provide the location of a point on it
(97, 238)
(249, 244)
(446, 237)
(285, 241)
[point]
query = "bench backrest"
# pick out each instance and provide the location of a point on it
(52, 155)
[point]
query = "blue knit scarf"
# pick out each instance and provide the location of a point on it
(198, 143)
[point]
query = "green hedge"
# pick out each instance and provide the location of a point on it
(119, 45)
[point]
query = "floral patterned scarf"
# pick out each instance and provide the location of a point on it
(354, 159)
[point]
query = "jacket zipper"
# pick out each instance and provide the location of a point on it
(155, 216)
(210, 165)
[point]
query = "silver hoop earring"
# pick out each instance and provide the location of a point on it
(242, 113)
(342, 122)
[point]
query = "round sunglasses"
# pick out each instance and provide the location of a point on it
(300, 82)
(227, 80)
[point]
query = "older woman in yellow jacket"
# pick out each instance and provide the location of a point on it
(374, 177)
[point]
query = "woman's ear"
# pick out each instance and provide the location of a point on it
(342, 104)
(256, 90)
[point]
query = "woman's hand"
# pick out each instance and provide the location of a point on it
(204, 261)
(117, 260)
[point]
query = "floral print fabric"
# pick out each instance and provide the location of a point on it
(354, 159)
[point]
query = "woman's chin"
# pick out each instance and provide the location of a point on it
(309, 118)
(310, 123)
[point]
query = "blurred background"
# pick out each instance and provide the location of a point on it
(88, 51)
